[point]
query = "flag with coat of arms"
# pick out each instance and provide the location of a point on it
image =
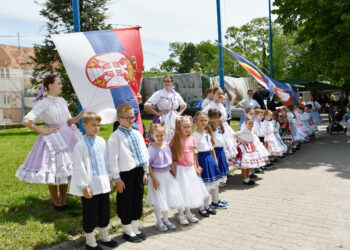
(105, 69)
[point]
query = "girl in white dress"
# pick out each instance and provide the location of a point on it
(163, 190)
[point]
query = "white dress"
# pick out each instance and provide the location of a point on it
(271, 141)
(231, 143)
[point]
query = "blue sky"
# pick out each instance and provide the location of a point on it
(162, 21)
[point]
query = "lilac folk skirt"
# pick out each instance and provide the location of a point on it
(50, 160)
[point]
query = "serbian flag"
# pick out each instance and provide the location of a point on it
(105, 69)
(282, 90)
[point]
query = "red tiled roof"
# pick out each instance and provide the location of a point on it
(14, 57)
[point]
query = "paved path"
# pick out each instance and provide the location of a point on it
(304, 203)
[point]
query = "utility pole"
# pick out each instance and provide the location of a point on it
(271, 40)
(221, 60)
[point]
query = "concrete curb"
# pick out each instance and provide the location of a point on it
(78, 241)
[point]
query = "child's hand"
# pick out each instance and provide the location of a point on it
(156, 184)
(87, 193)
(120, 186)
(173, 171)
(199, 171)
(145, 179)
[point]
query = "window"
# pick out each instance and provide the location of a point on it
(2, 72)
(7, 73)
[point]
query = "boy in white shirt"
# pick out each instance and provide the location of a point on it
(128, 165)
(90, 180)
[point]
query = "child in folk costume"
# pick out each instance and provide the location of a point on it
(128, 166)
(277, 130)
(315, 115)
(231, 142)
(51, 161)
(297, 135)
(271, 142)
(248, 156)
(163, 190)
(220, 148)
(187, 171)
(211, 173)
(90, 181)
(308, 110)
(304, 117)
(285, 127)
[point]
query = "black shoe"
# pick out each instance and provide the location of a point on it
(58, 208)
(203, 213)
(93, 248)
(273, 160)
(250, 182)
(141, 236)
(281, 156)
(259, 171)
(253, 176)
(132, 239)
(65, 207)
(211, 211)
(111, 243)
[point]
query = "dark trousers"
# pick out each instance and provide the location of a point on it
(262, 139)
(130, 202)
(95, 212)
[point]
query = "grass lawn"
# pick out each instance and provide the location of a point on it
(27, 220)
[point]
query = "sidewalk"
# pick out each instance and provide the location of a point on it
(303, 203)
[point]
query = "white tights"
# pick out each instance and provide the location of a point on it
(159, 214)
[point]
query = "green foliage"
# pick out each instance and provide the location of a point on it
(323, 28)
(59, 16)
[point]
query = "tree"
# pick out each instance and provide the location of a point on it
(324, 27)
(59, 17)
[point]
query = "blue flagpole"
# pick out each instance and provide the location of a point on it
(271, 40)
(76, 23)
(221, 62)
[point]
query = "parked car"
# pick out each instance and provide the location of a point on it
(236, 112)
(193, 107)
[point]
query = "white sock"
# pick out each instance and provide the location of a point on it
(90, 239)
(187, 211)
(206, 203)
(135, 226)
(246, 180)
(181, 211)
(165, 216)
(128, 230)
(250, 172)
(158, 215)
(104, 236)
(215, 194)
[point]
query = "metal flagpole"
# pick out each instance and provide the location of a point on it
(76, 23)
(221, 63)
(271, 40)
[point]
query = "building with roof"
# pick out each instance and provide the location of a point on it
(16, 69)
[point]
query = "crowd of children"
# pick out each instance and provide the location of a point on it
(183, 173)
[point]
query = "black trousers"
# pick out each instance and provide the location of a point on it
(130, 202)
(95, 212)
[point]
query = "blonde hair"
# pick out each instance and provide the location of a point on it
(260, 112)
(175, 143)
(91, 116)
(208, 128)
(122, 108)
(157, 127)
(268, 112)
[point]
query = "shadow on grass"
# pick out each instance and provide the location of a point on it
(18, 133)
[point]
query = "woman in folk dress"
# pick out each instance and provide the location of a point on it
(50, 160)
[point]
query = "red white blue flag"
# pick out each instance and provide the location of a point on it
(105, 69)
